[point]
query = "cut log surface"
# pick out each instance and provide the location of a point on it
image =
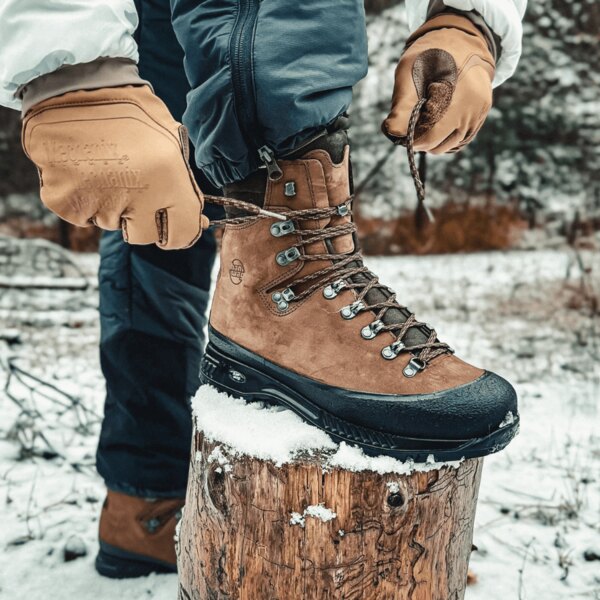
(276, 511)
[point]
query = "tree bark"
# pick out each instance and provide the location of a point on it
(393, 537)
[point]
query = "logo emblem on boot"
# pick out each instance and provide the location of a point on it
(236, 273)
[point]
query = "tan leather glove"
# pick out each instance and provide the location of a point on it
(446, 61)
(116, 158)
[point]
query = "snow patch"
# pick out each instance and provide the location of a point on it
(254, 429)
(316, 511)
(278, 435)
(74, 548)
(219, 457)
(297, 519)
(178, 526)
(509, 419)
(321, 512)
(353, 458)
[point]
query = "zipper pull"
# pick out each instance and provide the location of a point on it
(267, 156)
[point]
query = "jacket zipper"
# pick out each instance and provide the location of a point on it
(241, 53)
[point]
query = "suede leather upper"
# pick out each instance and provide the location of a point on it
(311, 338)
(140, 526)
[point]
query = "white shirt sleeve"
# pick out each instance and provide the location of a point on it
(503, 17)
(40, 36)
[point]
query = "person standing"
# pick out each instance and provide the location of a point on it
(263, 89)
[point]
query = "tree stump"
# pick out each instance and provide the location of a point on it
(304, 530)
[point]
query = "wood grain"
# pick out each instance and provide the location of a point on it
(236, 541)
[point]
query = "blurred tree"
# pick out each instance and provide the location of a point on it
(17, 174)
(541, 144)
(540, 147)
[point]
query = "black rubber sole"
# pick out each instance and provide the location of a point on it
(253, 383)
(115, 563)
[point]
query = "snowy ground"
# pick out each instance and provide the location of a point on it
(517, 313)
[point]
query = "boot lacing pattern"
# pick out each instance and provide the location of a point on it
(340, 274)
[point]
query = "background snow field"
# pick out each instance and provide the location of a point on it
(517, 313)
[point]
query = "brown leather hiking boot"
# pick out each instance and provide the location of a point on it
(298, 320)
(137, 536)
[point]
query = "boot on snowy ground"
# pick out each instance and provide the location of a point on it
(137, 536)
(299, 320)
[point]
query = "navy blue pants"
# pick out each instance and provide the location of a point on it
(153, 313)
(240, 74)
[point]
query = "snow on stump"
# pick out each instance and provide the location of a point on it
(277, 511)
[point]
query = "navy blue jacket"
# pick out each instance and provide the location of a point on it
(265, 73)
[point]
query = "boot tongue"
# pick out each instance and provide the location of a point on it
(252, 189)
(393, 316)
(336, 145)
(333, 143)
(333, 152)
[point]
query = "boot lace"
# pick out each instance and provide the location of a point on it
(340, 274)
(345, 271)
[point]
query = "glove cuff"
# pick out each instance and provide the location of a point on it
(451, 20)
(494, 43)
(101, 73)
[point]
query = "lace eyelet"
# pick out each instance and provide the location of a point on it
(413, 367)
(370, 331)
(331, 291)
(282, 228)
(283, 299)
(350, 311)
(289, 189)
(152, 524)
(391, 352)
(286, 257)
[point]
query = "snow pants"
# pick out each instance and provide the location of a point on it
(242, 74)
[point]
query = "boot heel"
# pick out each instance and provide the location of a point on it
(125, 565)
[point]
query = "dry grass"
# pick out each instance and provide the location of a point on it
(78, 239)
(458, 227)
